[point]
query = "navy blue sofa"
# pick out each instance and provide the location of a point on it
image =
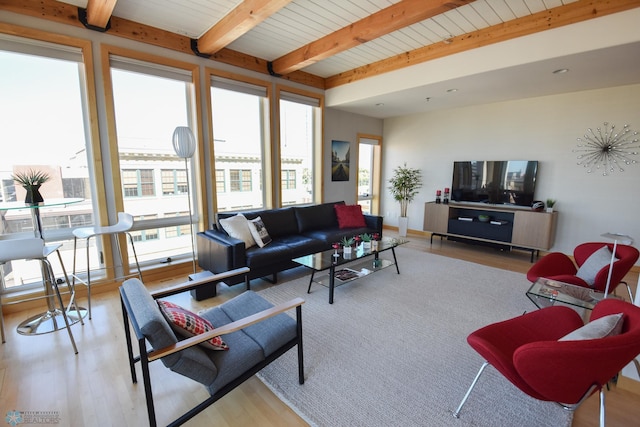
(295, 231)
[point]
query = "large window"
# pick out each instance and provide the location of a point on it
(240, 123)
(300, 147)
(150, 101)
(44, 125)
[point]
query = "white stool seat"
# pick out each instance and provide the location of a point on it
(123, 226)
(34, 248)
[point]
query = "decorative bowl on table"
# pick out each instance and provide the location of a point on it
(484, 218)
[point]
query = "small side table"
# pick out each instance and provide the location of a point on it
(546, 292)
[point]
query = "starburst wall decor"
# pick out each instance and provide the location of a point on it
(607, 150)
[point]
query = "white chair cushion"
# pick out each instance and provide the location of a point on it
(237, 226)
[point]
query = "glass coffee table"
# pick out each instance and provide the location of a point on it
(546, 292)
(343, 268)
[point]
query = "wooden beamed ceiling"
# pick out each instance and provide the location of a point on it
(250, 13)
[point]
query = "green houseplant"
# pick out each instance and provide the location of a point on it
(404, 186)
(31, 181)
(550, 204)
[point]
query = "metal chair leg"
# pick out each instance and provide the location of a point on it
(602, 412)
(54, 285)
(456, 413)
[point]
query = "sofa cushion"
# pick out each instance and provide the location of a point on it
(192, 362)
(279, 222)
(350, 216)
(252, 344)
(316, 217)
(273, 253)
(237, 226)
(259, 232)
(187, 324)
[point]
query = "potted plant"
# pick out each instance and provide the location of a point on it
(346, 243)
(550, 204)
(404, 187)
(366, 241)
(31, 181)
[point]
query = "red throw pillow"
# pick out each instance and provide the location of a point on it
(350, 216)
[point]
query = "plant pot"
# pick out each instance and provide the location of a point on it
(346, 250)
(366, 246)
(33, 196)
(403, 223)
(549, 210)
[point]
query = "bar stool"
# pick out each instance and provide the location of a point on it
(124, 224)
(34, 248)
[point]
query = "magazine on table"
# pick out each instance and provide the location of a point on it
(346, 274)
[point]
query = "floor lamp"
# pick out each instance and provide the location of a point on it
(184, 145)
(625, 240)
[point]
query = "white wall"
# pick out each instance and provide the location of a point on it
(342, 126)
(544, 129)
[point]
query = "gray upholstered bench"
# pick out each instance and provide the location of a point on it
(255, 331)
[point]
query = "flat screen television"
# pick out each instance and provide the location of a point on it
(510, 182)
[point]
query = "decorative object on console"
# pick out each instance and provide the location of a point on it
(404, 187)
(184, 144)
(31, 181)
(438, 193)
(537, 205)
(446, 196)
(607, 149)
(550, 204)
(484, 218)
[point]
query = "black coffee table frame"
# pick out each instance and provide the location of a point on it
(332, 259)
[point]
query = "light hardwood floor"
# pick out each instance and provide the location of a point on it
(93, 388)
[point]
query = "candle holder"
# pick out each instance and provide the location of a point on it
(438, 194)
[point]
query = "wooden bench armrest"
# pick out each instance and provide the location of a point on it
(226, 329)
(192, 284)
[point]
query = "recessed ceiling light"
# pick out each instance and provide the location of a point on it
(452, 90)
(561, 71)
(380, 104)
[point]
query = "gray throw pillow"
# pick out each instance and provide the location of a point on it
(606, 326)
(593, 264)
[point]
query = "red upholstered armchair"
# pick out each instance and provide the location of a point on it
(527, 352)
(560, 267)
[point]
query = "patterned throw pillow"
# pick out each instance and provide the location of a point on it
(259, 232)
(188, 324)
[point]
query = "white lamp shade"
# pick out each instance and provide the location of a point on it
(184, 143)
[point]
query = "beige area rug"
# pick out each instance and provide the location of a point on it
(392, 350)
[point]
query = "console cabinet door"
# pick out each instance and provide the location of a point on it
(436, 217)
(534, 229)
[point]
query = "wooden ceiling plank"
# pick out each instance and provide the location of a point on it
(236, 23)
(387, 20)
(541, 21)
(99, 12)
(68, 14)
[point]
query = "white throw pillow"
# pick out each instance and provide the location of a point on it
(259, 232)
(593, 264)
(238, 226)
(606, 326)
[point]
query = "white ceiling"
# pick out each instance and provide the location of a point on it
(612, 59)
